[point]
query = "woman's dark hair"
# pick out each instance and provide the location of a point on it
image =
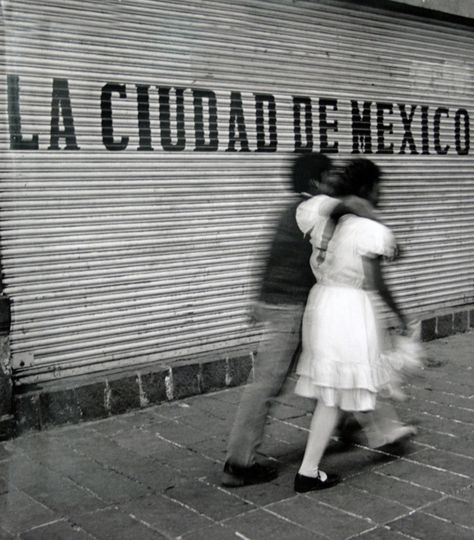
(358, 178)
(308, 167)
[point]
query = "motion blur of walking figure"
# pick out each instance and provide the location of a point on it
(285, 286)
(341, 364)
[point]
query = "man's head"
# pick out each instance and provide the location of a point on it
(308, 171)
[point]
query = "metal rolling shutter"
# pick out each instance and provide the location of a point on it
(114, 258)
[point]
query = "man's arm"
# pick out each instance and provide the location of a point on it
(359, 207)
(354, 205)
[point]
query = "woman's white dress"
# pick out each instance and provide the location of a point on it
(340, 361)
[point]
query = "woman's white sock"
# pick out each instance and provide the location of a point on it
(313, 473)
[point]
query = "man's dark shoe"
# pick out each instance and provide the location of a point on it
(400, 444)
(235, 476)
(304, 484)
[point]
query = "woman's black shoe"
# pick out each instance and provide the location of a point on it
(309, 483)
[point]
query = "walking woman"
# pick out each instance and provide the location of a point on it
(340, 363)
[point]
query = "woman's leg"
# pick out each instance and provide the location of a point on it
(323, 424)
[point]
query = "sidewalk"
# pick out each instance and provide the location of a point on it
(155, 473)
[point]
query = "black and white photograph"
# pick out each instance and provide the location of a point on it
(236, 270)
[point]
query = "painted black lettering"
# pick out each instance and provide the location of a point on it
(324, 125)
(300, 102)
(143, 110)
(440, 111)
(425, 137)
(383, 128)
(213, 142)
(462, 124)
(237, 119)
(408, 135)
(260, 101)
(361, 132)
(106, 114)
(61, 104)
(17, 141)
(165, 119)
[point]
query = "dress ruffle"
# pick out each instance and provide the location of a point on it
(347, 399)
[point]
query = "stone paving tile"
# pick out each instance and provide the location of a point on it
(421, 394)
(173, 431)
(416, 473)
(106, 484)
(285, 412)
(467, 494)
(214, 407)
(113, 458)
(302, 421)
(189, 463)
(382, 533)
(424, 527)
(361, 503)
(320, 518)
(48, 487)
(109, 486)
(19, 512)
(454, 510)
(444, 410)
(3, 485)
(214, 448)
(265, 525)
(111, 426)
(456, 445)
(209, 500)
(59, 530)
(356, 461)
(262, 494)
(211, 425)
(439, 382)
(447, 461)
(286, 432)
(431, 426)
(97, 446)
(40, 444)
(142, 442)
(436, 439)
(232, 395)
(443, 425)
(292, 400)
(4, 535)
(216, 532)
(151, 473)
(166, 516)
(392, 489)
(147, 418)
(114, 524)
(5, 452)
(173, 410)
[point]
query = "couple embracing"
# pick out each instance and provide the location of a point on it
(332, 235)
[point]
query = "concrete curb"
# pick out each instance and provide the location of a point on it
(75, 402)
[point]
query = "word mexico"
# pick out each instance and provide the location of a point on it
(224, 123)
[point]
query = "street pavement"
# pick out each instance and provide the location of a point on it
(155, 473)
